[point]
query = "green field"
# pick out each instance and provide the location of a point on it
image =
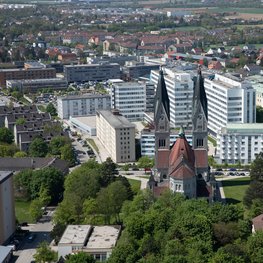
(135, 185)
(235, 189)
(237, 10)
(22, 211)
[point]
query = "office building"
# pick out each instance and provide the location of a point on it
(35, 85)
(117, 135)
(7, 206)
(82, 105)
(179, 87)
(239, 143)
(229, 101)
(92, 72)
(30, 73)
(129, 98)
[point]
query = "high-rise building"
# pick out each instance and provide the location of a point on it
(229, 101)
(179, 87)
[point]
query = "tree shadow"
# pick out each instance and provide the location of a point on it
(235, 182)
(232, 201)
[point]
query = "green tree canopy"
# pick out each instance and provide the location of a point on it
(20, 154)
(44, 254)
(80, 257)
(38, 148)
(6, 135)
(145, 162)
(51, 109)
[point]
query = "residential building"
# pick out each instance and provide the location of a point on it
(7, 206)
(257, 83)
(97, 241)
(82, 105)
(117, 135)
(239, 143)
(129, 98)
(230, 100)
(30, 73)
(180, 92)
(91, 72)
(34, 85)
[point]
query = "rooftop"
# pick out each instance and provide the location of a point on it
(4, 252)
(116, 121)
(248, 128)
(75, 234)
(4, 175)
(84, 96)
(104, 237)
(36, 80)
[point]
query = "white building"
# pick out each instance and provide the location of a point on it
(117, 135)
(129, 98)
(97, 241)
(179, 86)
(7, 206)
(229, 101)
(239, 143)
(82, 105)
(148, 141)
(85, 124)
(257, 84)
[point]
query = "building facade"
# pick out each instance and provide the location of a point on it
(129, 98)
(82, 105)
(34, 85)
(117, 135)
(180, 91)
(239, 143)
(91, 72)
(7, 206)
(30, 73)
(229, 101)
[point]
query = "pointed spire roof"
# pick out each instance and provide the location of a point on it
(199, 93)
(181, 132)
(161, 96)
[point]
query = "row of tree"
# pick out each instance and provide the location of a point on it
(174, 229)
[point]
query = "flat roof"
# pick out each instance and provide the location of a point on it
(4, 175)
(88, 120)
(84, 96)
(103, 237)
(37, 80)
(4, 252)
(75, 234)
(91, 65)
(116, 121)
(252, 128)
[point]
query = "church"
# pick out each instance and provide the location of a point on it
(182, 168)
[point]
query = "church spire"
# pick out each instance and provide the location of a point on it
(161, 97)
(199, 94)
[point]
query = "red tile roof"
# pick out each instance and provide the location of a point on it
(163, 158)
(183, 172)
(201, 158)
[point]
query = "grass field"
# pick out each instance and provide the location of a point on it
(235, 189)
(135, 185)
(22, 211)
(237, 10)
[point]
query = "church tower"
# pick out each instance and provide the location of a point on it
(162, 128)
(199, 119)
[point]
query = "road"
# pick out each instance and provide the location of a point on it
(27, 248)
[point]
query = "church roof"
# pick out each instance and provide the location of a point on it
(183, 172)
(161, 96)
(199, 94)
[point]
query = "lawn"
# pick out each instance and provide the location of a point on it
(135, 185)
(22, 211)
(93, 145)
(235, 189)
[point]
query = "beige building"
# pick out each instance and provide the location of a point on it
(7, 208)
(117, 135)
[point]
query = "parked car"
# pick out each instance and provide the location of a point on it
(24, 224)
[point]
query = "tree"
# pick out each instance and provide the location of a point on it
(57, 232)
(20, 121)
(35, 209)
(38, 148)
(6, 135)
(51, 109)
(259, 114)
(145, 162)
(80, 257)
(20, 154)
(56, 143)
(67, 154)
(44, 254)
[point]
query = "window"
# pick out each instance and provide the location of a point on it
(199, 143)
(162, 143)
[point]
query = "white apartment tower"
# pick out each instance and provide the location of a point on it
(129, 98)
(179, 87)
(229, 101)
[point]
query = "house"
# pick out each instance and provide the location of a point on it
(252, 69)
(257, 223)
(97, 241)
(214, 65)
(67, 58)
